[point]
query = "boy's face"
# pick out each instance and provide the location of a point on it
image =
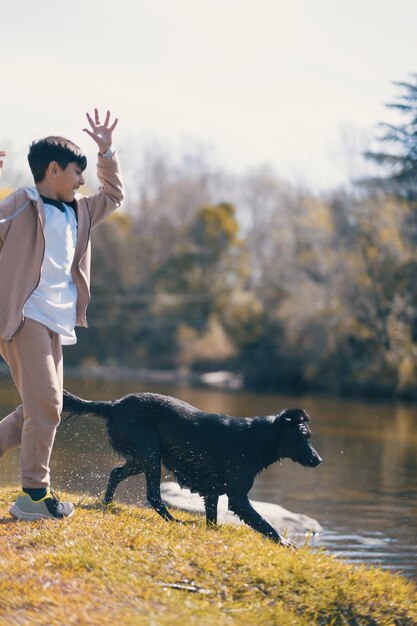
(66, 182)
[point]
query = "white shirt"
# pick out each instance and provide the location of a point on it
(53, 303)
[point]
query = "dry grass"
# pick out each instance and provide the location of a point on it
(126, 566)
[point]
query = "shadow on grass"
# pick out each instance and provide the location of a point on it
(141, 512)
(8, 520)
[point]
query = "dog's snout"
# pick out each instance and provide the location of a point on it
(313, 459)
(317, 460)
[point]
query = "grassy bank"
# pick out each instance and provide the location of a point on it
(125, 565)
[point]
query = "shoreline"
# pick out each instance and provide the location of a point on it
(219, 379)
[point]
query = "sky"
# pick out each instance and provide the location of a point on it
(296, 84)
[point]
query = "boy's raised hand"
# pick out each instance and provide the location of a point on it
(101, 133)
(2, 154)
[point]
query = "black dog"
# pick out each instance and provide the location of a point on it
(209, 453)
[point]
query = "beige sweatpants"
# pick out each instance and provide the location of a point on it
(34, 358)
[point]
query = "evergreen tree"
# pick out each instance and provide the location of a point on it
(400, 158)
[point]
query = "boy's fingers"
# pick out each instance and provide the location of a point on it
(90, 120)
(89, 132)
(113, 126)
(96, 122)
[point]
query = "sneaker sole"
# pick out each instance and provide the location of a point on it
(32, 517)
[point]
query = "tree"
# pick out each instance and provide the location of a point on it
(191, 284)
(400, 161)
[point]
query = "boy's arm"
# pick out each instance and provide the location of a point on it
(4, 205)
(110, 194)
(2, 154)
(8, 207)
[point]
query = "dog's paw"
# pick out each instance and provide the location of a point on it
(286, 543)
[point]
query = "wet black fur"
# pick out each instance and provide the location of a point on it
(209, 453)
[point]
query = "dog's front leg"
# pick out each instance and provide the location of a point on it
(210, 504)
(153, 492)
(241, 506)
(148, 450)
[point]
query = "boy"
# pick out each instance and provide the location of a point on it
(44, 293)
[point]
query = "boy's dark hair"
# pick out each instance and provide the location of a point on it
(59, 149)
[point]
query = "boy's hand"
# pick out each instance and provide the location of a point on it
(2, 154)
(101, 133)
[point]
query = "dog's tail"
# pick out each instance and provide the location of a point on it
(74, 406)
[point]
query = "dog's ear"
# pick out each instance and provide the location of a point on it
(295, 416)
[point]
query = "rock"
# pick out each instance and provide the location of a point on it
(276, 515)
(222, 380)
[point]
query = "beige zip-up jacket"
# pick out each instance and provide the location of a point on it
(22, 245)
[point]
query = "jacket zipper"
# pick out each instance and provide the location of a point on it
(18, 328)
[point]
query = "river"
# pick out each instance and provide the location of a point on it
(364, 494)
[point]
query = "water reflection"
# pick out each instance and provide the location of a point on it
(364, 494)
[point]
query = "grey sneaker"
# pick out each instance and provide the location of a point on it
(49, 507)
